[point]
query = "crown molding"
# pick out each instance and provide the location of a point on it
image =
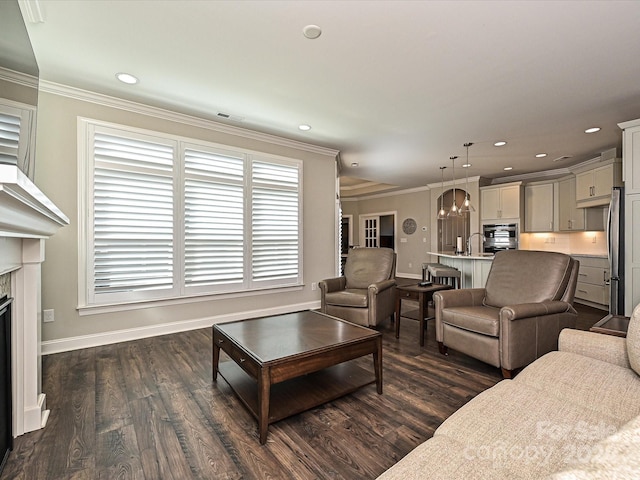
(545, 174)
(161, 113)
(20, 78)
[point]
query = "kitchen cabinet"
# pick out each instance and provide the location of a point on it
(593, 281)
(593, 187)
(570, 217)
(539, 202)
(501, 202)
(631, 162)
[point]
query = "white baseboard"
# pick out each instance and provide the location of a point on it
(106, 338)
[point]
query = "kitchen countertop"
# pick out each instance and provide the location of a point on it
(473, 256)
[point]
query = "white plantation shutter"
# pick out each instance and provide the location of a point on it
(213, 218)
(275, 222)
(9, 137)
(133, 215)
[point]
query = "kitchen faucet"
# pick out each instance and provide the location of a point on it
(469, 241)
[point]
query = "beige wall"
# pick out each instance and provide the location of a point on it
(414, 204)
(56, 176)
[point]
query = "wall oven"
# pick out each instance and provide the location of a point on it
(500, 237)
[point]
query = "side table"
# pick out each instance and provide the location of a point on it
(423, 295)
(616, 325)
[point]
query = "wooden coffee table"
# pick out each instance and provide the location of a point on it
(423, 295)
(286, 364)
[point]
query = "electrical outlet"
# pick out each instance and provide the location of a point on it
(593, 240)
(314, 286)
(410, 265)
(47, 316)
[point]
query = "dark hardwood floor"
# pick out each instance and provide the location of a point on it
(148, 409)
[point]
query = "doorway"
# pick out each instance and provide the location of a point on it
(378, 230)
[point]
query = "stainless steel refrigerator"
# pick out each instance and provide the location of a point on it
(615, 247)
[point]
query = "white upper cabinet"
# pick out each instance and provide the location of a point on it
(501, 202)
(593, 186)
(538, 204)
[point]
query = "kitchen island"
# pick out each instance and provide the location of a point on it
(474, 268)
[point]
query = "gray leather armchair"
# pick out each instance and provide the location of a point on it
(517, 317)
(365, 295)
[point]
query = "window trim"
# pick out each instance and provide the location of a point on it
(86, 128)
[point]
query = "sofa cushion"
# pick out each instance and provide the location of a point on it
(525, 432)
(365, 266)
(525, 276)
(588, 383)
(615, 457)
(633, 340)
(351, 297)
(440, 457)
(478, 319)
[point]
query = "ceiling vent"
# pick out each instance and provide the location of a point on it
(227, 116)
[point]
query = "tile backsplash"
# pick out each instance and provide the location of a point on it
(5, 284)
(576, 243)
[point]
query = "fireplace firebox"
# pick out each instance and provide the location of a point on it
(6, 434)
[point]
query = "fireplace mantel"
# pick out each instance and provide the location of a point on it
(27, 219)
(26, 212)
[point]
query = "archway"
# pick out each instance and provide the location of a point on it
(450, 228)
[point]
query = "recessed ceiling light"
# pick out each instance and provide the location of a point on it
(592, 130)
(127, 78)
(312, 32)
(466, 165)
(506, 169)
(501, 143)
(541, 155)
(354, 164)
(304, 128)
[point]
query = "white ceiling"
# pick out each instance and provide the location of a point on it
(396, 86)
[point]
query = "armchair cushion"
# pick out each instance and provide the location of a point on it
(351, 297)
(525, 276)
(478, 319)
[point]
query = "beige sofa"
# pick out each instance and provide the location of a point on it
(571, 414)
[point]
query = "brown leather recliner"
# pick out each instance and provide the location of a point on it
(517, 317)
(365, 295)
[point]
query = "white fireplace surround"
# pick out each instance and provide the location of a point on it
(27, 219)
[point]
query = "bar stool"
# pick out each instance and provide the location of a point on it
(425, 270)
(445, 273)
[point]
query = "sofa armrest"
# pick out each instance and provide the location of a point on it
(332, 284)
(379, 287)
(528, 310)
(595, 345)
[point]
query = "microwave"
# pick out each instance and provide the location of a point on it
(500, 237)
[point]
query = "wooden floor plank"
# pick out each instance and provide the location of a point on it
(149, 410)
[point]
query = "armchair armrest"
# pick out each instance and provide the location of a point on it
(595, 345)
(379, 287)
(332, 284)
(467, 297)
(527, 310)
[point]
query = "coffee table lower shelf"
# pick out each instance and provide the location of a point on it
(298, 394)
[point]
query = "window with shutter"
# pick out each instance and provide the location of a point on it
(133, 217)
(275, 222)
(16, 140)
(172, 217)
(213, 218)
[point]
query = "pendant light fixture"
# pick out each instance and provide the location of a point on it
(466, 205)
(441, 213)
(454, 211)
